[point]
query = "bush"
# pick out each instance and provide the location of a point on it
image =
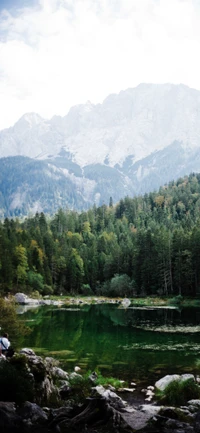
(47, 290)
(10, 322)
(177, 300)
(178, 392)
(86, 290)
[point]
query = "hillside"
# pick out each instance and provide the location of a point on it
(148, 245)
(132, 143)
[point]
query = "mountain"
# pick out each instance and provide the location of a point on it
(130, 144)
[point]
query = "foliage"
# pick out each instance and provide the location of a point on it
(143, 246)
(177, 300)
(106, 381)
(178, 392)
(81, 387)
(10, 322)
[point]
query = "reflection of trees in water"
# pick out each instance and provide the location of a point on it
(100, 335)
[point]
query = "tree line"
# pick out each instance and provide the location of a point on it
(146, 245)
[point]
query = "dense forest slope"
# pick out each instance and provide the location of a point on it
(141, 246)
(132, 143)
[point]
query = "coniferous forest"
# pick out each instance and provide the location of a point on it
(147, 245)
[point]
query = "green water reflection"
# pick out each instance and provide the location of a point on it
(134, 344)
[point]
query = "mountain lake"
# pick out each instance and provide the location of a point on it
(139, 344)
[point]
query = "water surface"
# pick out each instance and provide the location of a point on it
(137, 344)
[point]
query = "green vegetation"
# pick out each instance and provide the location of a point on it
(143, 247)
(178, 392)
(10, 322)
(81, 384)
(106, 381)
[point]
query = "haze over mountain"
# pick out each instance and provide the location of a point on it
(132, 143)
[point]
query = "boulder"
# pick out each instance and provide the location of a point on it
(10, 421)
(126, 302)
(33, 413)
(59, 373)
(110, 397)
(21, 298)
(162, 383)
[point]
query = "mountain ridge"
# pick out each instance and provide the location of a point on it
(133, 142)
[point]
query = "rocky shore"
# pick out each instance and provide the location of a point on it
(66, 402)
(22, 299)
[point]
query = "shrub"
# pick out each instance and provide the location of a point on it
(177, 300)
(178, 392)
(86, 290)
(47, 290)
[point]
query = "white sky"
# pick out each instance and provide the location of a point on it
(58, 53)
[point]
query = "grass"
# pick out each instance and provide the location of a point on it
(81, 385)
(178, 392)
(106, 381)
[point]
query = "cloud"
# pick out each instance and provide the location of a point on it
(57, 53)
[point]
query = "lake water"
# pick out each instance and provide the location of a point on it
(136, 344)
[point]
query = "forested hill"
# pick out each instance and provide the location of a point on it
(142, 246)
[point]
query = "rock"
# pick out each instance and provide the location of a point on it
(28, 352)
(164, 381)
(139, 419)
(64, 391)
(149, 393)
(21, 298)
(93, 376)
(41, 374)
(197, 423)
(10, 421)
(75, 376)
(2, 357)
(126, 302)
(194, 405)
(187, 376)
(33, 413)
(111, 397)
(59, 373)
(194, 402)
(51, 362)
(76, 369)
(126, 389)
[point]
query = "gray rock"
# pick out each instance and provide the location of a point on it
(111, 397)
(75, 376)
(27, 351)
(10, 421)
(21, 298)
(187, 376)
(166, 380)
(194, 402)
(59, 373)
(162, 383)
(126, 302)
(33, 412)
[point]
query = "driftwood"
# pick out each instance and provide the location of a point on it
(94, 413)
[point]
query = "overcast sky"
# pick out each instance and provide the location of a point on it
(58, 53)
